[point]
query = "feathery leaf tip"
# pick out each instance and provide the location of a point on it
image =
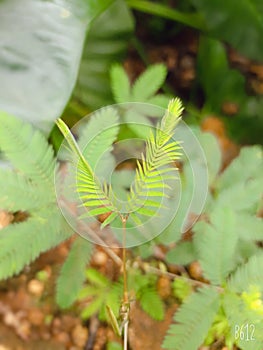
(172, 116)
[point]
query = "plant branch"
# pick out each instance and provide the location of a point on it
(95, 237)
(171, 275)
(190, 19)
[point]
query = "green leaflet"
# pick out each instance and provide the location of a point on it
(183, 254)
(240, 316)
(148, 83)
(159, 153)
(97, 138)
(74, 270)
(120, 84)
(220, 236)
(143, 89)
(151, 303)
(248, 274)
(247, 166)
(113, 321)
(29, 187)
(22, 243)
(27, 149)
(193, 320)
(87, 182)
(101, 292)
(19, 193)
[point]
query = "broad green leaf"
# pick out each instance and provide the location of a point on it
(220, 83)
(239, 23)
(41, 44)
(106, 42)
(193, 320)
(216, 242)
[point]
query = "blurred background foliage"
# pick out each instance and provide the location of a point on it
(82, 55)
(212, 51)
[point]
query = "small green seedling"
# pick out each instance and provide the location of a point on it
(151, 173)
(124, 315)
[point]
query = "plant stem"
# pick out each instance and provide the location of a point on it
(191, 19)
(125, 337)
(125, 307)
(124, 258)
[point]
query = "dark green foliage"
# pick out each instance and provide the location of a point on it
(238, 23)
(106, 42)
(223, 84)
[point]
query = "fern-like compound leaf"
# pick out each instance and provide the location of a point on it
(23, 242)
(73, 270)
(90, 190)
(193, 320)
(27, 149)
(97, 137)
(222, 234)
(161, 151)
(151, 303)
(247, 275)
(149, 82)
(120, 84)
(245, 320)
(19, 193)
